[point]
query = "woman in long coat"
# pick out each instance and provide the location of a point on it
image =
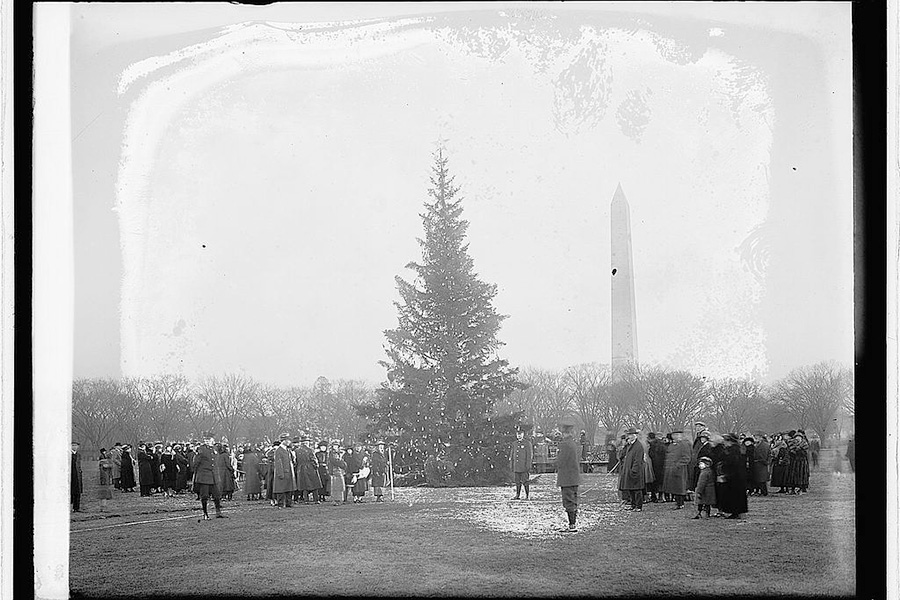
(145, 470)
(104, 491)
(677, 475)
(127, 481)
(731, 493)
(761, 458)
(779, 465)
(252, 485)
(154, 453)
(352, 471)
(379, 469)
(798, 464)
(181, 462)
(749, 456)
(169, 467)
(322, 468)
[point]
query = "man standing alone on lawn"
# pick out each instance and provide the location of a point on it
(520, 459)
(205, 478)
(568, 475)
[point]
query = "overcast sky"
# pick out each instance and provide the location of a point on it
(248, 180)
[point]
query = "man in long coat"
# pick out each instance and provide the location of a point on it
(677, 476)
(761, 459)
(145, 469)
(77, 484)
(520, 458)
(283, 478)
(657, 454)
(204, 468)
(568, 473)
(308, 482)
(631, 471)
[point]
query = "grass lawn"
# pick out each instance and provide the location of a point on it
(467, 542)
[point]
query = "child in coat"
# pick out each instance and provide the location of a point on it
(706, 487)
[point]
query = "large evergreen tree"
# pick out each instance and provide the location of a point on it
(443, 372)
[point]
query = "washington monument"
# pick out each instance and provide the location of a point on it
(624, 324)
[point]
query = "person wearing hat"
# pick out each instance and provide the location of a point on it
(308, 481)
(204, 467)
(145, 469)
(748, 453)
(127, 481)
(778, 463)
(250, 466)
(379, 466)
(294, 446)
(520, 459)
(568, 473)
(76, 483)
(631, 471)
(731, 483)
(284, 479)
(322, 470)
(181, 463)
(656, 452)
(104, 490)
(677, 476)
(798, 464)
(354, 463)
(115, 455)
(705, 491)
(700, 448)
(270, 472)
(337, 470)
(760, 469)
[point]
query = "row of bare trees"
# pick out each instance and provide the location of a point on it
(170, 407)
(809, 397)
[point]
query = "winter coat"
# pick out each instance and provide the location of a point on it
(705, 492)
(322, 468)
(154, 469)
(749, 457)
(283, 481)
(521, 456)
(761, 459)
(779, 466)
(337, 467)
(379, 469)
(169, 470)
(204, 466)
(307, 470)
(127, 481)
(698, 453)
(631, 471)
(224, 473)
(731, 494)
(77, 482)
(181, 478)
(677, 476)
(104, 479)
(115, 456)
(352, 460)
(798, 464)
(657, 454)
(145, 469)
(568, 469)
(251, 473)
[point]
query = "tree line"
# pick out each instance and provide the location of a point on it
(171, 407)
(662, 398)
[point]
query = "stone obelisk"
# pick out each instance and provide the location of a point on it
(624, 323)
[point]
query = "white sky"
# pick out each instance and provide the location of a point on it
(300, 161)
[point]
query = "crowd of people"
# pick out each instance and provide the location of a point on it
(283, 472)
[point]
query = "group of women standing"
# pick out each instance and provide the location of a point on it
(790, 462)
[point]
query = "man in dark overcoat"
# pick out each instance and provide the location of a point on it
(308, 481)
(283, 479)
(631, 471)
(677, 477)
(700, 449)
(145, 469)
(204, 468)
(77, 484)
(568, 474)
(520, 459)
(657, 454)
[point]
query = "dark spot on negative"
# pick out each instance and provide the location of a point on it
(614, 271)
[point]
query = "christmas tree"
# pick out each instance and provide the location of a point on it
(443, 372)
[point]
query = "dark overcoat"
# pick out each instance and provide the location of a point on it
(224, 473)
(698, 453)
(378, 466)
(170, 470)
(145, 469)
(677, 476)
(521, 456)
(631, 471)
(568, 469)
(749, 457)
(154, 469)
(731, 495)
(657, 453)
(204, 466)
(307, 470)
(181, 478)
(352, 460)
(706, 487)
(126, 481)
(779, 466)
(761, 459)
(77, 482)
(283, 471)
(322, 468)
(251, 473)
(798, 464)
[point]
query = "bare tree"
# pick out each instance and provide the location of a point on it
(93, 417)
(227, 398)
(671, 398)
(589, 385)
(165, 403)
(736, 405)
(813, 394)
(544, 399)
